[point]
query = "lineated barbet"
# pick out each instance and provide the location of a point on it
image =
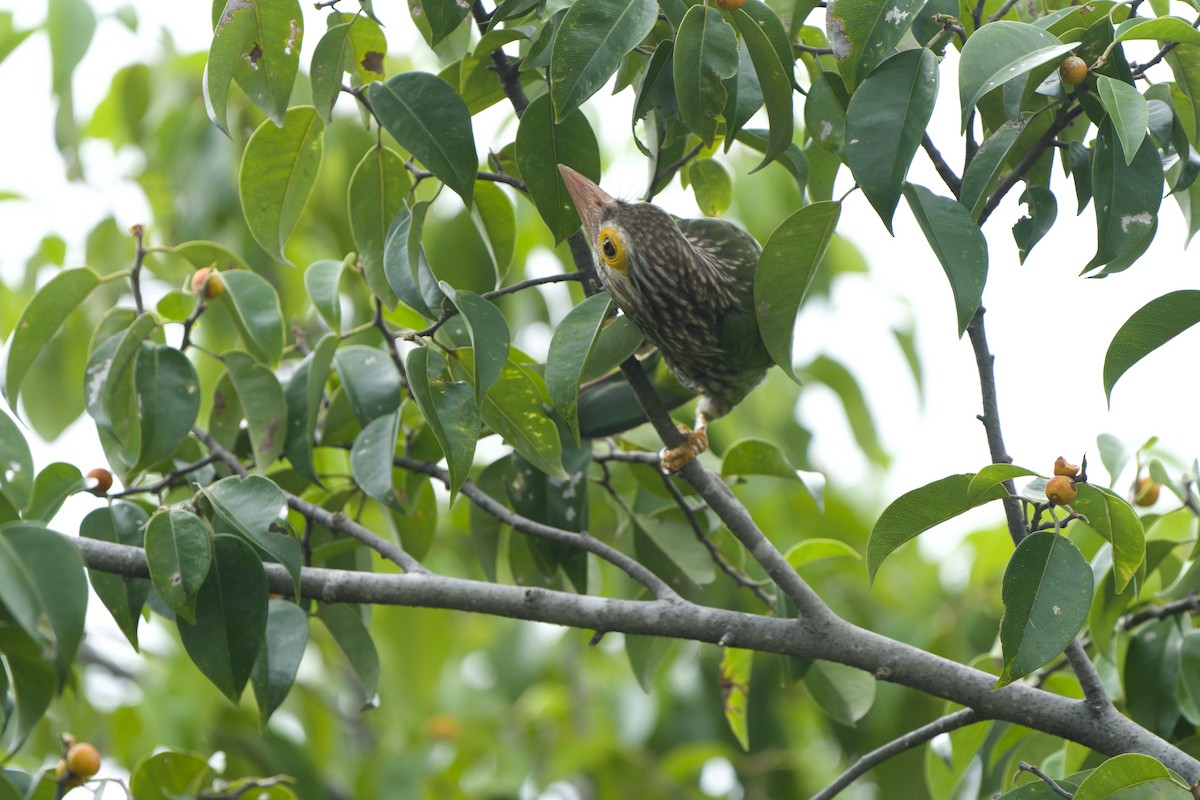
(688, 285)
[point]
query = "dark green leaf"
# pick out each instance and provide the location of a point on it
(442, 16)
(513, 408)
(593, 38)
(745, 95)
(33, 682)
(1127, 200)
(1167, 29)
(712, 184)
(488, 332)
(541, 146)
(863, 34)
(354, 640)
(825, 112)
(774, 79)
(706, 54)
(956, 241)
(999, 52)
(1127, 109)
(448, 407)
(1043, 209)
(986, 164)
(759, 457)
(408, 275)
(124, 598)
(16, 481)
(305, 391)
(370, 380)
(570, 347)
(168, 397)
(252, 507)
(371, 459)
(179, 553)
(52, 486)
(377, 190)
(263, 404)
(494, 210)
(844, 693)
(275, 670)
(1150, 327)
(327, 69)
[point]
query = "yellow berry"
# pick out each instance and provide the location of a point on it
(731, 5)
(1061, 467)
(443, 726)
(207, 283)
(1145, 492)
(1073, 70)
(83, 760)
(103, 479)
(1060, 490)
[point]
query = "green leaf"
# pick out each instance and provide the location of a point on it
(1043, 209)
(258, 43)
(1164, 29)
(16, 481)
(52, 486)
(231, 617)
(917, 511)
(759, 457)
(844, 693)
(712, 184)
(488, 332)
(885, 122)
(1151, 676)
(1047, 593)
(40, 320)
(275, 670)
(120, 523)
(1150, 327)
(984, 482)
(1128, 771)
(494, 211)
(825, 112)
(1127, 200)
(570, 346)
(735, 691)
(377, 190)
(593, 38)
(263, 404)
(958, 244)
(449, 408)
(811, 550)
(646, 655)
(408, 275)
(706, 53)
(999, 52)
(354, 640)
(543, 144)
(745, 96)
(252, 508)
(863, 34)
(168, 775)
(53, 568)
(278, 173)
(367, 46)
(33, 683)
(168, 397)
(428, 118)
(785, 270)
(322, 279)
(179, 554)
(370, 380)
(987, 163)
(774, 79)
(328, 67)
(443, 17)
(513, 408)
(1127, 108)
(1115, 520)
(305, 391)
(371, 459)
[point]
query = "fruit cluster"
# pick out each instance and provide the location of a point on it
(79, 764)
(1060, 490)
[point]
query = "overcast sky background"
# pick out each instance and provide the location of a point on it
(1048, 327)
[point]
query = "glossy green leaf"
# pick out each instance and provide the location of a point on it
(1128, 111)
(179, 553)
(542, 145)
(513, 408)
(775, 82)
(885, 122)
(825, 112)
(263, 404)
(328, 67)
(760, 457)
(305, 392)
(593, 38)
(1145, 776)
(958, 244)
(278, 173)
(371, 459)
(863, 34)
(1029, 229)
(712, 185)
(370, 380)
(1114, 519)
(40, 320)
(354, 640)
(1164, 29)
(407, 273)
(322, 279)
(811, 550)
(1047, 593)
(999, 52)
(252, 508)
(448, 407)
(706, 53)
(987, 163)
(735, 692)
(570, 346)
(494, 211)
(258, 43)
(377, 190)
(231, 617)
(16, 481)
(844, 693)
(52, 486)
(109, 395)
(1150, 327)
(168, 397)
(984, 482)
(53, 569)
(785, 270)
(917, 511)
(488, 332)
(275, 670)
(745, 96)
(428, 118)
(120, 523)
(168, 775)
(442, 16)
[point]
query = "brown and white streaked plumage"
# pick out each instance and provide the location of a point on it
(688, 285)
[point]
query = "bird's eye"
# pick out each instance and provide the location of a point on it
(612, 251)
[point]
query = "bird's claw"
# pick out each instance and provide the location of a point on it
(694, 443)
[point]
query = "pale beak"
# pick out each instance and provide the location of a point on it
(590, 200)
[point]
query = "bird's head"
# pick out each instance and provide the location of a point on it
(627, 239)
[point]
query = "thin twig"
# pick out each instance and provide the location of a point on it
(660, 174)
(167, 480)
(1025, 766)
(949, 177)
(450, 312)
(1002, 10)
(1010, 180)
(390, 340)
(1186, 605)
(135, 274)
(914, 738)
(797, 47)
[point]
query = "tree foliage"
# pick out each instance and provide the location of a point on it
(336, 295)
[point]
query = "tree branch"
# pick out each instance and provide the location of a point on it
(914, 738)
(451, 312)
(1039, 149)
(1025, 766)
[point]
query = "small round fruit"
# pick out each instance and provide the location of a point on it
(1060, 490)
(1061, 467)
(1145, 492)
(83, 760)
(443, 726)
(103, 479)
(1073, 70)
(207, 283)
(731, 5)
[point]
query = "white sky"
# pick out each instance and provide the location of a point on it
(1048, 328)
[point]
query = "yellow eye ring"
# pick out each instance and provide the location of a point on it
(612, 250)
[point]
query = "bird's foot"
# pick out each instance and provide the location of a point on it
(676, 458)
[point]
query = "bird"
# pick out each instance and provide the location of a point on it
(688, 285)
